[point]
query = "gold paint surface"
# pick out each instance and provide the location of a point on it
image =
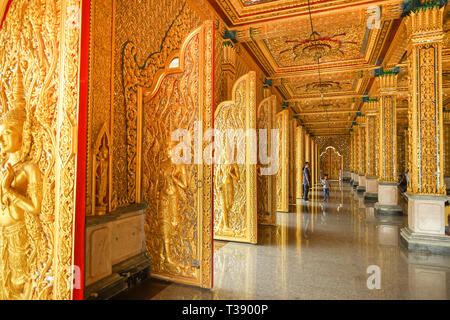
(235, 184)
(178, 216)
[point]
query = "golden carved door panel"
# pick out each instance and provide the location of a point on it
(235, 212)
(178, 222)
(331, 163)
(266, 183)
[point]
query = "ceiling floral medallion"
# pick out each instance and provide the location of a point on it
(322, 86)
(318, 46)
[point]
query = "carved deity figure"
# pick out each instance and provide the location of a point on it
(20, 200)
(173, 186)
(226, 176)
(102, 179)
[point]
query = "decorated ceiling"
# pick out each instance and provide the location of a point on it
(322, 57)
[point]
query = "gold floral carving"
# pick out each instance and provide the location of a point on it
(282, 178)
(352, 148)
(266, 183)
(371, 138)
(387, 128)
(425, 34)
(135, 74)
(235, 185)
(101, 182)
(357, 138)
(179, 213)
(446, 143)
(41, 42)
(101, 77)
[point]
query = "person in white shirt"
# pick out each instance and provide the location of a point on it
(326, 188)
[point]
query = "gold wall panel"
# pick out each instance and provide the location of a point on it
(39, 90)
(142, 46)
(179, 213)
(235, 191)
(101, 66)
(267, 183)
(282, 124)
(341, 143)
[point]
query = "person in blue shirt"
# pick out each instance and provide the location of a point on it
(306, 181)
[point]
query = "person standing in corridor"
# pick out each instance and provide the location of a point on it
(306, 181)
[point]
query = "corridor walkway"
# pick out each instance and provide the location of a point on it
(318, 251)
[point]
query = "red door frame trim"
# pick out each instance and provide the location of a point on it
(4, 15)
(80, 205)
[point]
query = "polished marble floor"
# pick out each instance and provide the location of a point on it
(320, 250)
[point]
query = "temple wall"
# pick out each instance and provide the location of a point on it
(340, 143)
(156, 29)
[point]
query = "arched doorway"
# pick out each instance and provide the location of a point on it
(331, 163)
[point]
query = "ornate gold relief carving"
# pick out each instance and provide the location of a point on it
(39, 126)
(282, 179)
(235, 190)
(178, 217)
(266, 183)
(101, 78)
(387, 128)
(101, 176)
(446, 143)
(145, 75)
(425, 34)
(371, 138)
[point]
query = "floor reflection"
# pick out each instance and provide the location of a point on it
(320, 250)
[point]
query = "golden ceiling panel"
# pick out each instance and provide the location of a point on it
(310, 85)
(241, 12)
(319, 105)
(340, 37)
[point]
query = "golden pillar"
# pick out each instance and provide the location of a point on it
(312, 163)
(282, 182)
(307, 148)
(426, 189)
(292, 162)
(362, 154)
(316, 161)
(351, 155)
(446, 142)
(299, 159)
(357, 155)
(371, 108)
(387, 152)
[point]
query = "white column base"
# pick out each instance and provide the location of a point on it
(388, 199)
(426, 214)
(426, 225)
(371, 189)
(361, 183)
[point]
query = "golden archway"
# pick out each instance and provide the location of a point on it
(331, 163)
